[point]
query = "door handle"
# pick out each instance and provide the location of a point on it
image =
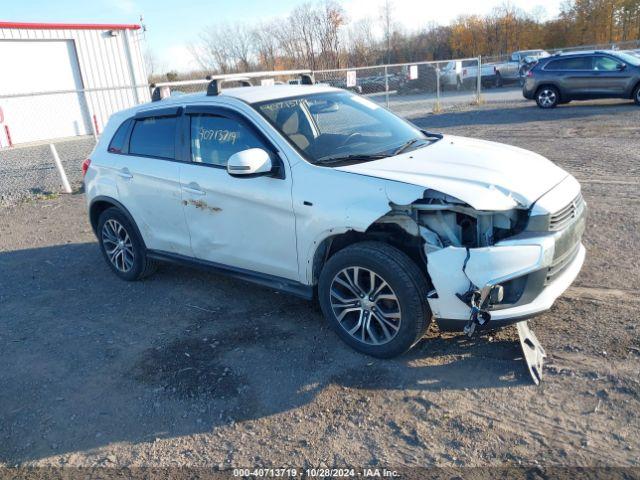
(193, 188)
(124, 173)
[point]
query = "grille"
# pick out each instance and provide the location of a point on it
(561, 263)
(565, 216)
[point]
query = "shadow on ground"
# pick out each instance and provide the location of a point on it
(89, 360)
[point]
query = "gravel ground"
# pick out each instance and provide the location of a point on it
(193, 369)
(29, 172)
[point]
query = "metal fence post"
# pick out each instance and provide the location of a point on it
(63, 175)
(479, 86)
(437, 106)
(386, 83)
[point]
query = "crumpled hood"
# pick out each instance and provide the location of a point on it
(485, 175)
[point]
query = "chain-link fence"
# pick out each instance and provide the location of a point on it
(70, 119)
(412, 89)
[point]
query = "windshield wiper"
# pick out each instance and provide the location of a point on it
(350, 158)
(403, 147)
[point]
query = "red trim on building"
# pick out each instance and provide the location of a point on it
(70, 26)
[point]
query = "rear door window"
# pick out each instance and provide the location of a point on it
(154, 137)
(575, 63)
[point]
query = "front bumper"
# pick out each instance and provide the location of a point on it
(541, 303)
(533, 268)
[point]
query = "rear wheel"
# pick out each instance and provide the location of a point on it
(375, 298)
(122, 247)
(636, 95)
(547, 97)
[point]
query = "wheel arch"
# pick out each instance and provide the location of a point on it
(101, 203)
(387, 232)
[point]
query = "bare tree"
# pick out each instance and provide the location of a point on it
(386, 18)
(266, 45)
(362, 46)
(330, 19)
(150, 62)
(238, 43)
(224, 48)
(210, 52)
(317, 35)
(304, 23)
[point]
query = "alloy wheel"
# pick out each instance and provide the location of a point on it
(547, 97)
(117, 245)
(365, 306)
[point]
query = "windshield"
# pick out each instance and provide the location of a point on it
(338, 127)
(627, 58)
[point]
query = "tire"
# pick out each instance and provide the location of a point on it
(547, 97)
(499, 81)
(116, 233)
(636, 95)
(391, 318)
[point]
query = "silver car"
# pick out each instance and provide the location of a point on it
(583, 76)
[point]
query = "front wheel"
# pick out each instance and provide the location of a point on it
(547, 97)
(636, 95)
(375, 298)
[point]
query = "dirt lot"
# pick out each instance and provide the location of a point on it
(190, 368)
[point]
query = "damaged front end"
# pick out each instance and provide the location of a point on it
(494, 268)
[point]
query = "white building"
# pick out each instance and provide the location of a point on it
(94, 71)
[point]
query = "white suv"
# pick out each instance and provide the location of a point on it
(318, 192)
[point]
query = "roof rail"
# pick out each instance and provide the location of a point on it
(307, 79)
(159, 92)
(162, 90)
(215, 83)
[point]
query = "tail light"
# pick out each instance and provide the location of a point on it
(85, 166)
(530, 73)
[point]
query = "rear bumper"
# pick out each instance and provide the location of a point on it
(529, 89)
(489, 79)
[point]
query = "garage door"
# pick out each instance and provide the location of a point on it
(42, 66)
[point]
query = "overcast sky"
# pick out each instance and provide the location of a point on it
(171, 25)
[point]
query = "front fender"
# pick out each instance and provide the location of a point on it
(353, 203)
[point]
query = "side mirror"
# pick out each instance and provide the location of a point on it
(249, 162)
(621, 66)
